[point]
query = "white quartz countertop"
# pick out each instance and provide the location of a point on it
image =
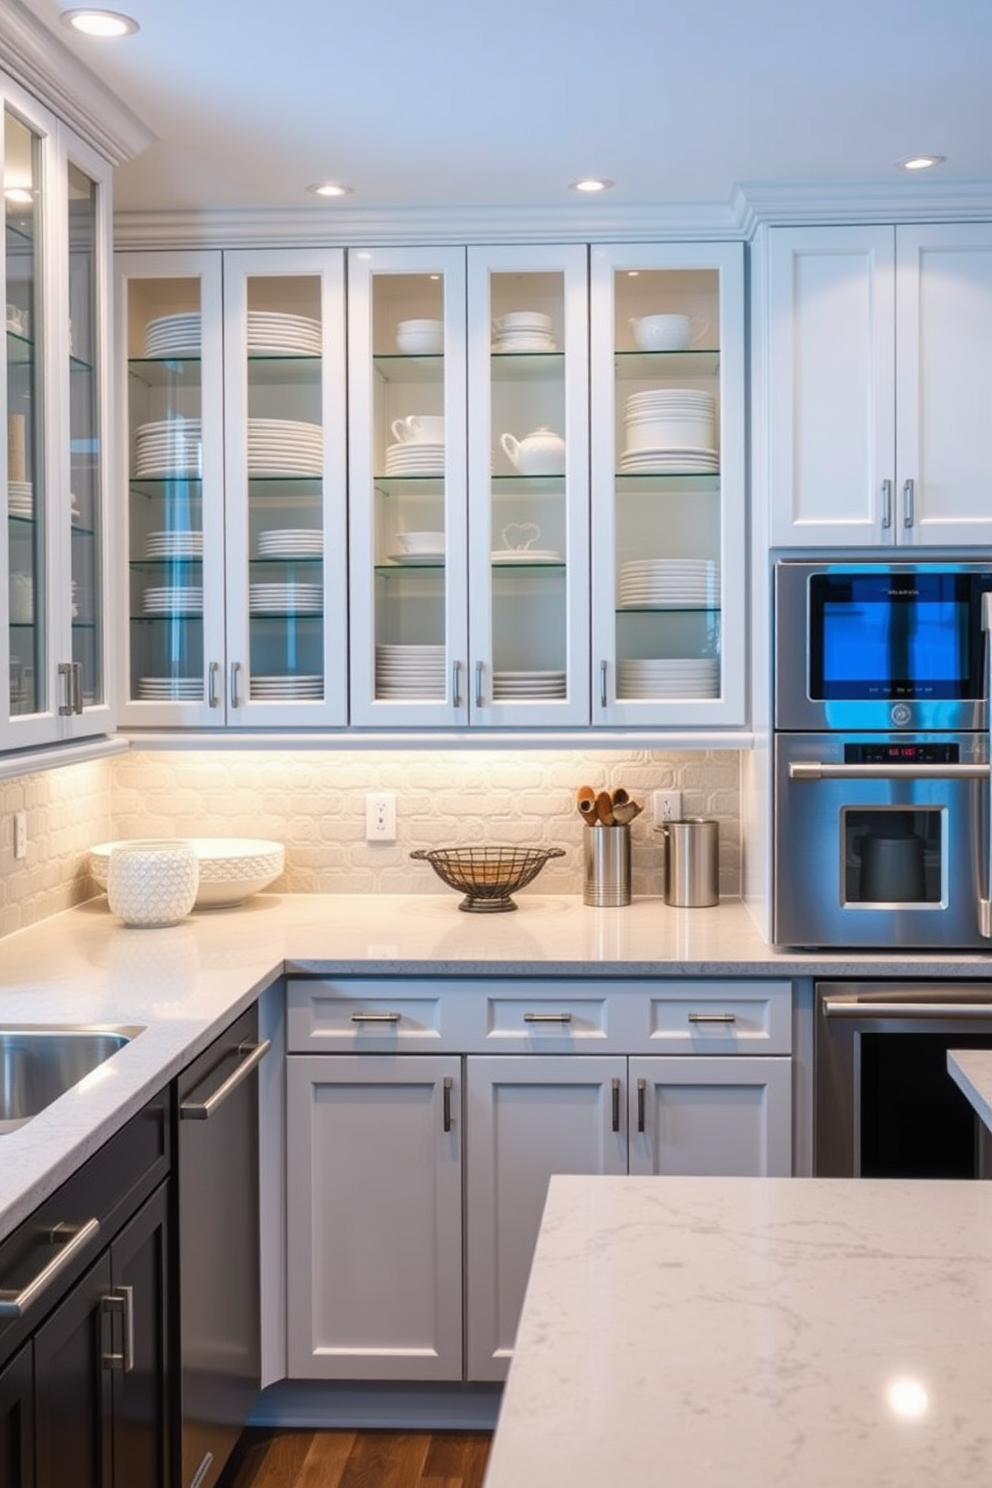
(971, 1069)
(754, 1333)
(185, 983)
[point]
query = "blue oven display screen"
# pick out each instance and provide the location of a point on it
(894, 636)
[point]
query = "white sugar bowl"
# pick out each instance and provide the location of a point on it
(152, 883)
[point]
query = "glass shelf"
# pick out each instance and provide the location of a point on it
(77, 365)
(668, 609)
(526, 366)
(670, 481)
(641, 366)
(77, 530)
(155, 565)
(394, 367)
(284, 371)
(285, 615)
(312, 562)
(164, 372)
(20, 350)
(169, 616)
(420, 485)
(507, 485)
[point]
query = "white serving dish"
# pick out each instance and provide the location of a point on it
(231, 868)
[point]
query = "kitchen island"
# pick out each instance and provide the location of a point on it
(971, 1071)
(754, 1333)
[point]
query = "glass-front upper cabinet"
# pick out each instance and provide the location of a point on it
(668, 485)
(55, 268)
(408, 483)
(172, 650)
(285, 473)
(528, 402)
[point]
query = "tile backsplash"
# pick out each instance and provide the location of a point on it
(314, 801)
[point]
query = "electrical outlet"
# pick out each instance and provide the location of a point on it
(20, 834)
(667, 806)
(380, 816)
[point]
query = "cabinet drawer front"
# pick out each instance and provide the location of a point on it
(366, 1015)
(717, 1018)
(518, 1017)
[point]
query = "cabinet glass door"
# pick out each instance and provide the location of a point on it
(27, 533)
(668, 485)
(285, 477)
(174, 657)
(528, 485)
(408, 487)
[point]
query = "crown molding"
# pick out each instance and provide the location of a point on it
(351, 225)
(37, 60)
(806, 203)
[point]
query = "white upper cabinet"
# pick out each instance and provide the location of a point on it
(56, 262)
(668, 485)
(878, 385)
(233, 565)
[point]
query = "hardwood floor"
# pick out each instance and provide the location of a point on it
(358, 1459)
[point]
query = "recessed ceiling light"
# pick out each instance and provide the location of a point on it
(330, 188)
(99, 22)
(592, 184)
(920, 162)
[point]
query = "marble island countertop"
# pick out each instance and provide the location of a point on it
(182, 985)
(971, 1070)
(754, 1333)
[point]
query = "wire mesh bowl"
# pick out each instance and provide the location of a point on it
(487, 876)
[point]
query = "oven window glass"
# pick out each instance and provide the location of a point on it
(902, 635)
(915, 1122)
(893, 856)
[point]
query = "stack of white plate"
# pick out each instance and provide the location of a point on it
(170, 689)
(273, 689)
(409, 672)
(291, 542)
(168, 447)
(523, 330)
(669, 584)
(20, 498)
(174, 599)
(173, 335)
(274, 333)
(281, 599)
(178, 544)
(528, 686)
(670, 429)
(417, 457)
(526, 555)
(679, 678)
(284, 447)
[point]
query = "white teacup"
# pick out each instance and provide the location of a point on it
(419, 428)
(421, 543)
(667, 332)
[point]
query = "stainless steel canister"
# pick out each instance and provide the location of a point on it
(606, 882)
(692, 876)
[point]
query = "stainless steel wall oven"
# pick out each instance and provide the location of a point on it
(882, 800)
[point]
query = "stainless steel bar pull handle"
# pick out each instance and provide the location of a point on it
(121, 1302)
(712, 1017)
(456, 693)
(641, 1101)
(251, 1054)
(908, 503)
(886, 503)
(479, 697)
(547, 1017)
(985, 900)
(64, 670)
(70, 1239)
(821, 770)
(867, 1011)
(616, 1104)
(77, 686)
(375, 1017)
(603, 698)
(235, 674)
(213, 697)
(446, 1101)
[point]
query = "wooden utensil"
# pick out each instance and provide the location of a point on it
(604, 810)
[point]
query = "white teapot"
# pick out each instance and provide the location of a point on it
(541, 453)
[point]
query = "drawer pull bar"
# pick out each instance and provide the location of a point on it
(446, 1123)
(122, 1301)
(712, 1017)
(641, 1093)
(547, 1017)
(71, 1240)
(250, 1055)
(616, 1104)
(375, 1017)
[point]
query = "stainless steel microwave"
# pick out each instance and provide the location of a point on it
(881, 646)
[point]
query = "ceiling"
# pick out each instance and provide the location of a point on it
(451, 104)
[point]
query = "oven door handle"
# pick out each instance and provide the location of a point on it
(823, 770)
(873, 1010)
(985, 899)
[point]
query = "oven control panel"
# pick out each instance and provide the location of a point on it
(902, 754)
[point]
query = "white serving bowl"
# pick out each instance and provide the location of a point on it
(420, 542)
(231, 868)
(420, 343)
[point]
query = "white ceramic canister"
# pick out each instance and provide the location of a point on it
(153, 883)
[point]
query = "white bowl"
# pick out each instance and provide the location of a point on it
(231, 868)
(420, 343)
(420, 542)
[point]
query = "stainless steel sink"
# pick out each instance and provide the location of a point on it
(38, 1064)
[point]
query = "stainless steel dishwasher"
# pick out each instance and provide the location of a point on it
(220, 1368)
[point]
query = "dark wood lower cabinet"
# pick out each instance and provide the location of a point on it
(17, 1421)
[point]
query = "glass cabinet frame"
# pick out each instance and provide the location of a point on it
(690, 515)
(54, 537)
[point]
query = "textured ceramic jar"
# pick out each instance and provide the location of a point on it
(150, 884)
